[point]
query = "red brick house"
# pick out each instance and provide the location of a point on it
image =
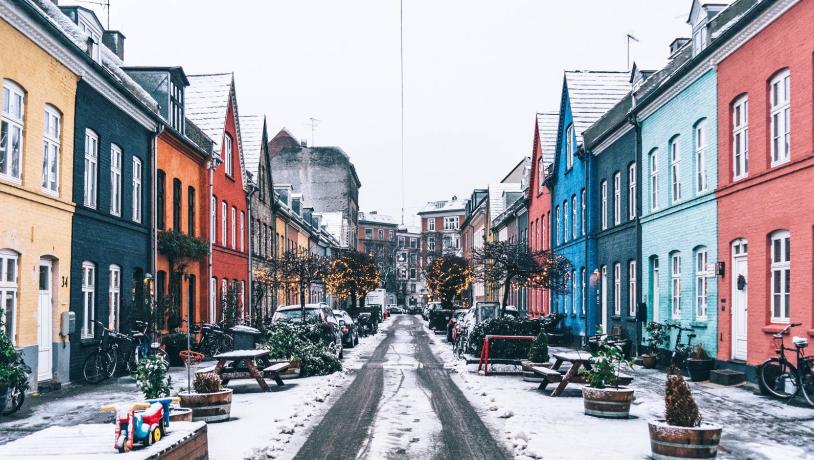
(766, 180)
(539, 198)
(212, 105)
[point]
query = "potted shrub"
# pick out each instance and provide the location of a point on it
(699, 364)
(657, 334)
(682, 434)
(538, 357)
(603, 396)
(173, 344)
(209, 401)
(13, 376)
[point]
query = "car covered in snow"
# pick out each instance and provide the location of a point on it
(313, 312)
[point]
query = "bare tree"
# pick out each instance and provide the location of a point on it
(297, 269)
(448, 276)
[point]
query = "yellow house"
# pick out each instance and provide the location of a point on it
(36, 165)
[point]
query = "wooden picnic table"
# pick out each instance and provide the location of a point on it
(577, 360)
(243, 365)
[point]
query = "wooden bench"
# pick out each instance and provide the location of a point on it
(548, 375)
(274, 370)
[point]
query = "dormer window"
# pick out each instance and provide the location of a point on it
(700, 38)
(94, 39)
(177, 106)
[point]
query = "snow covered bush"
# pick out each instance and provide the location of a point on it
(680, 408)
(311, 343)
(509, 325)
(153, 378)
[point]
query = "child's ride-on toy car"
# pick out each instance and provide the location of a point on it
(146, 427)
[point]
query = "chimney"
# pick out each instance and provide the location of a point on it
(374, 212)
(677, 44)
(114, 41)
(304, 143)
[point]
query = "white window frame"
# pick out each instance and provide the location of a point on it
(88, 299)
(631, 288)
(213, 219)
(540, 175)
(233, 227)
(242, 231)
(115, 180)
(574, 292)
(675, 285)
(604, 289)
(431, 224)
(227, 155)
(569, 146)
(701, 138)
(12, 117)
(51, 150)
(675, 170)
(701, 284)
(584, 220)
(617, 289)
(780, 117)
(138, 173)
(91, 168)
(574, 231)
(603, 208)
(114, 297)
(451, 223)
(740, 137)
(617, 198)
(654, 180)
(9, 289)
(431, 243)
(224, 213)
(559, 226)
(584, 291)
(566, 226)
(780, 253)
(380, 234)
(631, 197)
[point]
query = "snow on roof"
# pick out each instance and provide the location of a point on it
(592, 93)
(547, 127)
(207, 100)
(251, 127)
(496, 202)
(376, 218)
(454, 204)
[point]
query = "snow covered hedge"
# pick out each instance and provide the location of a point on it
(509, 325)
(311, 343)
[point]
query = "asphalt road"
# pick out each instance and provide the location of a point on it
(402, 389)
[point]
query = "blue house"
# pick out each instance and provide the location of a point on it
(586, 95)
(111, 252)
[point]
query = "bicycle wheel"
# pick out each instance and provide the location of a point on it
(13, 401)
(807, 386)
(112, 360)
(95, 367)
(226, 344)
(777, 379)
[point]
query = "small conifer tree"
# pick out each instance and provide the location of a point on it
(538, 353)
(680, 407)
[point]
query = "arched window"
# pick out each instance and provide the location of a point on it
(574, 231)
(51, 149)
(88, 299)
(781, 275)
(115, 180)
(540, 175)
(617, 289)
(584, 221)
(617, 198)
(565, 214)
(12, 121)
(91, 168)
(603, 187)
(631, 192)
(675, 284)
(701, 284)
(701, 140)
(654, 180)
(631, 288)
(780, 116)
(9, 269)
(740, 137)
(559, 226)
(675, 169)
(137, 190)
(227, 156)
(569, 146)
(114, 298)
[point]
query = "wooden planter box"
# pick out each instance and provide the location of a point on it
(180, 414)
(208, 407)
(607, 402)
(670, 442)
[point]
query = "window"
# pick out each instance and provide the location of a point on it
(227, 154)
(431, 224)
(401, 242)
(213, 219)
(617, 289)
(617, 199)
(654, 180)
(675, 286)
(656, 287)
(191, 211)
(114, 298)
(631, 288)
(701, 156)
(574, 216)
(604, 290)
(584, 291)
(675, 169)
(136, 190)
(160, 178)
(412, 273)
(242, 231)
(8, 292)
(559, 226)
(431, 243)
(603, 187)
(176, 106)
(567, 228)
(540, 167)
(569, 146)
(381, 234)
(631, 191)
(11, 131)
(701, 286)
(414, 243)
(781, 275)
(584, 213)
(191, 288)
(224, 210)
(95, 36)
(91, 165)
(176, 205)
(232, 228)
(369, 233)
(50, 150)
(88, 299)
(780, 117)
(451, 223)
(213, 289)
(740, 137)
(574, 292)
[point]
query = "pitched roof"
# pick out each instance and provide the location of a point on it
(592, 93)
(454, 204)
(207, 100)
(376, 218)
(497, 204)
(251, 127)
(547, 129)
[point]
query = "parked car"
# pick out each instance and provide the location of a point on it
(313, 311)
(428, 308)
(348, 327)
(511, 310)
(414, 309)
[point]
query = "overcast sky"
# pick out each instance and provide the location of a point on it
(476, 72)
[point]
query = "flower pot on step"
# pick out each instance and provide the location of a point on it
(700, 369)
(607, 402)
(208, 407)
(649, 361)
(670, 442)
(528, 374)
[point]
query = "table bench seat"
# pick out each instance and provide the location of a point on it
(278, 367)
(553, 376)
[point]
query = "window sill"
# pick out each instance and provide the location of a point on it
(774, 328)
(699, 324)
(88, 342)
(616, 317)
(11, 179)
(630, 319)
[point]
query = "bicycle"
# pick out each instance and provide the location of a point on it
(138, 347)
(779, 378)
(101, 363)
(214, 339)
(13, 400)
(681, 352)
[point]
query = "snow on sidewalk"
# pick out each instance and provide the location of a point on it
(536, 425)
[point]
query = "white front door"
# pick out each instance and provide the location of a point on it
(44, 324)
(740, 298)
(656, 290)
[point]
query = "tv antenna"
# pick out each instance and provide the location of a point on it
(104, 4)
(401, 68)
(629, 38)
(314, 122)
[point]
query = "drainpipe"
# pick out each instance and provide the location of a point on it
(211, 166)
(249, 194)
(587, 238)
(637, 128)
(153, 223)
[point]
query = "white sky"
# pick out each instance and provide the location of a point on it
(476, 72)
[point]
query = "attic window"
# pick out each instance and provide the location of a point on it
(176, 106)
(94, 39)
(700, 38)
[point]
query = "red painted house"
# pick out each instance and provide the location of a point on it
(212, 105)
(545, 142)
(766, 181)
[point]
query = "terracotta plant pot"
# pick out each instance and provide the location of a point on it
(669, 442)
(180, 414)
(700, 369)
(208, 407)
(649, 361)
(528, 374)
(607, 402)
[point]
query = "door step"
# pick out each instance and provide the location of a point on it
(727, 377)
(49, 385)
